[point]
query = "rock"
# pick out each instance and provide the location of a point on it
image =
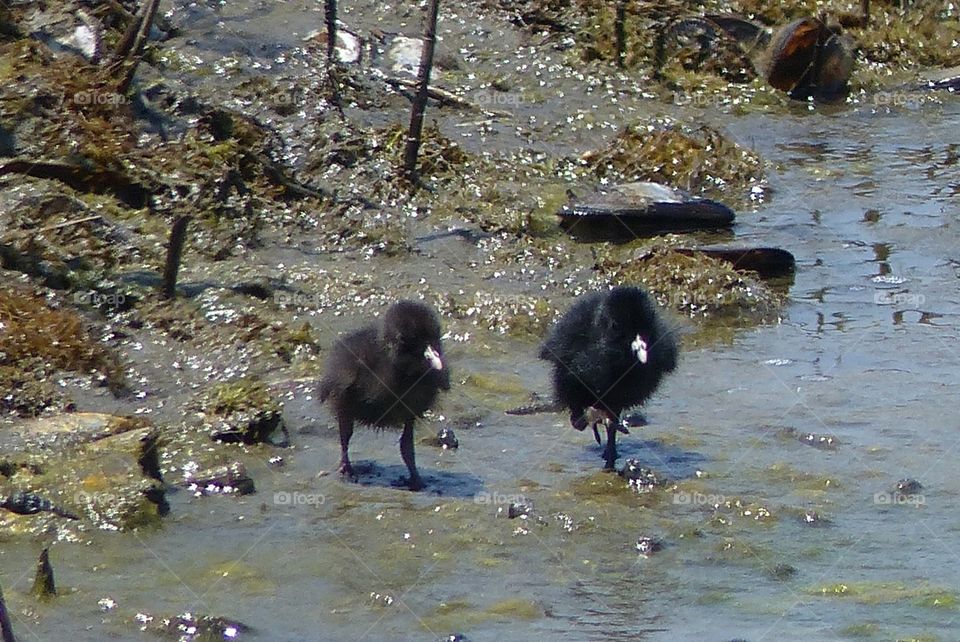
(68, 430)
(648, 546)
(719, 43)
(522, 508)
(944, 79)
(806, 58)
(229, 479)
(909, 486)
(189, 627)
(767, 262)
(29, 504)
(644, 209)
(783, 572)
(641, 479)
(445, 439)
(348, 47)
(102, 470)
(820, 442)
(72, 33)
(242, 411)
(403, 55)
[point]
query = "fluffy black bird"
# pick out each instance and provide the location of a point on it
(387, 374)
(609, 352)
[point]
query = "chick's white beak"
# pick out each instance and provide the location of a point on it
(639, 347)
(433, 358)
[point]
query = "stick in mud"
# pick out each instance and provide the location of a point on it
(330, 16)
(420, 101)
(178, 234)
(620, 26)
(6, 629)
(44, 587)
(131, 46)
(333, 77)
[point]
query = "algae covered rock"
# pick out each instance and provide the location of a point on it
(242, 411)
(98, 469)
(691, 283)
(701, 159)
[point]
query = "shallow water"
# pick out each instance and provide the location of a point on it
(311, 557)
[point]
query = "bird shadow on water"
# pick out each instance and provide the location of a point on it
(443, 483)
(672, 461)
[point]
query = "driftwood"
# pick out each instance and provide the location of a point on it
(447, 98)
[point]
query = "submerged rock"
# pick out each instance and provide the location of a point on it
(639, 478)
(648, 546)
(445, 439)
(820, 442)
(521, 508)
(189, 627)
(813, 518)
(767, 262)
(909, 486)
(229, 479)
(783, 572)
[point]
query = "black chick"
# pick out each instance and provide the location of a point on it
(609, 352)
(387, 374)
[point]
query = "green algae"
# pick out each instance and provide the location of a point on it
(240, 395)
(785, 473)
(921, 595)
(694, 286)
(517, 609)
(861, 630)
(700, 160)
(38, 341)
